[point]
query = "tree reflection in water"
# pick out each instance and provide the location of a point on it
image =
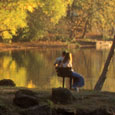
(34, 68)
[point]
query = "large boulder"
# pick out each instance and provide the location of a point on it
(25, 92)
(7, 82)
(62, 96)
(25, 98)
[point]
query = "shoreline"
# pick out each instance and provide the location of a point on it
(42, 44)
(99, 45)
(30, 45)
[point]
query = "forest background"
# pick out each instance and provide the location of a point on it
(56, 20)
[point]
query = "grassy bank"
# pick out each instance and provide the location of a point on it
(85, 102)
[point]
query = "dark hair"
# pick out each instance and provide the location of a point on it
(64, 53)
(66, 58)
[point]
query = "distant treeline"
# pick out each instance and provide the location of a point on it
(64, 20)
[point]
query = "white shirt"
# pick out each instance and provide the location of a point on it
(67, 64)
(58, 60)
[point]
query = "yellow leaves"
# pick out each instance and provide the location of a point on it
(6, 35)
(52, 20)
(13, 31)
(30, 8)
(7, 20)
(16, 15)
(40, 4)
(46, 12)
(112, 4)
(55, 19)
(68, 1)
(55, 9)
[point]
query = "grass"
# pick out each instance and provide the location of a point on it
(85, 100)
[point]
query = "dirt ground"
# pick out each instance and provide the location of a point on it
(86, 101)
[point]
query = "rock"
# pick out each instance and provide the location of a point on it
(4, 110)
(25, 92)
(25, 99)
(62, 96)
(37, 110)
(7, 82)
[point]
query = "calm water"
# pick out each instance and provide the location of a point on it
(34, 68)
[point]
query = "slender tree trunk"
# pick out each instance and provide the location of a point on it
(102, 77)
(85, 29)
(71, 20)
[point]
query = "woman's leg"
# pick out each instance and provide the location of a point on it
(78, 80)
(75, 82)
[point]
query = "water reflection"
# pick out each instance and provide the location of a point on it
(34, 68)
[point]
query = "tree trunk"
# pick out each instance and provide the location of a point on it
(102, 77)
(85, 29)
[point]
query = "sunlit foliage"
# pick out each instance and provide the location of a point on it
(14, 15)
(46, 16)
(87, 15)
(104, 19)
(33, 19)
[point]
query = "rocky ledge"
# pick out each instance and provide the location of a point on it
(57, 101)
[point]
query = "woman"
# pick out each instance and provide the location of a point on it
(67, 61)
(78, 80)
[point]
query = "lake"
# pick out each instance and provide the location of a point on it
(34, 68)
